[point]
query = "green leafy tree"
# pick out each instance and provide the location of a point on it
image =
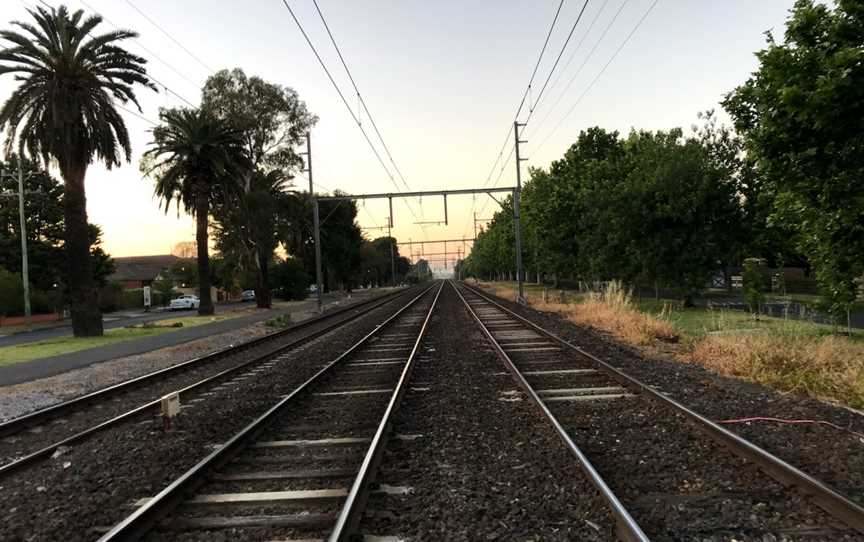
(341, 238)
(43, 209)
(272, 118)
(64, 110)
(273, 121)
(800, 114)
(247, 230)
(196, 160)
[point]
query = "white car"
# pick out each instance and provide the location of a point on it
(184, 302)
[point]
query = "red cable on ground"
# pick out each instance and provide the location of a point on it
(791, 422)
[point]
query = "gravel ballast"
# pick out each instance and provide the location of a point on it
(479, 468)
(834, 456)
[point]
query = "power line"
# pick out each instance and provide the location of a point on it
(141, 45)
(581, 66)
(557, 60)
(360, 96)
(527, 90)
(602, 71)
(150, 76)
(142, 117)
(154, 23)
(342, 96)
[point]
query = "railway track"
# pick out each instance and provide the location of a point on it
(26, 440)
(661, 468)
(304, 468)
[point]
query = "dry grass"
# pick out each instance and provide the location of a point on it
(828, 367)
(788, 355)
(612, 309)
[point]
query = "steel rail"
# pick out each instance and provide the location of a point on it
(350, 515)
(15, 425)
(825, 496)
(145, 517)
(129, 414)
(627, 528)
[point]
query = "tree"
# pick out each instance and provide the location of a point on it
(196, 160)
(272, 118)
(43, 210)
(341, 238)
(273, 121)
(800, 114)
(247, 230)
(64, 110)
(655, 208)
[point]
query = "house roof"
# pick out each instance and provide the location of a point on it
(141, 267)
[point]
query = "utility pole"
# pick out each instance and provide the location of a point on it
(390, 236)
(25, 268)
(315, 224)
(520, 297)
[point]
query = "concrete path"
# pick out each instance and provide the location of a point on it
(26, 371)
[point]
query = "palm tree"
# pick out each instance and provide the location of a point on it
(64, 110)
(197, 161)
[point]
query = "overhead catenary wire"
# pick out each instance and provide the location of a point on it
(580, 68)
(167, 89)
(578, 46)
(527, 91)
(144, 48)
(362, 103)
(533, 106)
(557, 60)
(172, 38)
(344, 100)
(360, 96)
(599, 74)
(525, 96)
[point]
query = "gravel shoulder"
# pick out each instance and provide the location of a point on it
(833, 455)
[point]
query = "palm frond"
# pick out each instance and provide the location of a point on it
(71, 77)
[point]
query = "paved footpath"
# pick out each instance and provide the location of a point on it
(26, 371)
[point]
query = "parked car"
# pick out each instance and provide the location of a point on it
(248, 295)
(184, 302)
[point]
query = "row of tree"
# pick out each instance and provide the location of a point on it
(668, 210)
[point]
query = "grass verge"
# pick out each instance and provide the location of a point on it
(793, 356)
(66, 344)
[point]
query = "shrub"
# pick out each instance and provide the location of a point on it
(753, 285)
(289, 280)
(11, 293)
(111, 297)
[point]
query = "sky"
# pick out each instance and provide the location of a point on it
(442, 81)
